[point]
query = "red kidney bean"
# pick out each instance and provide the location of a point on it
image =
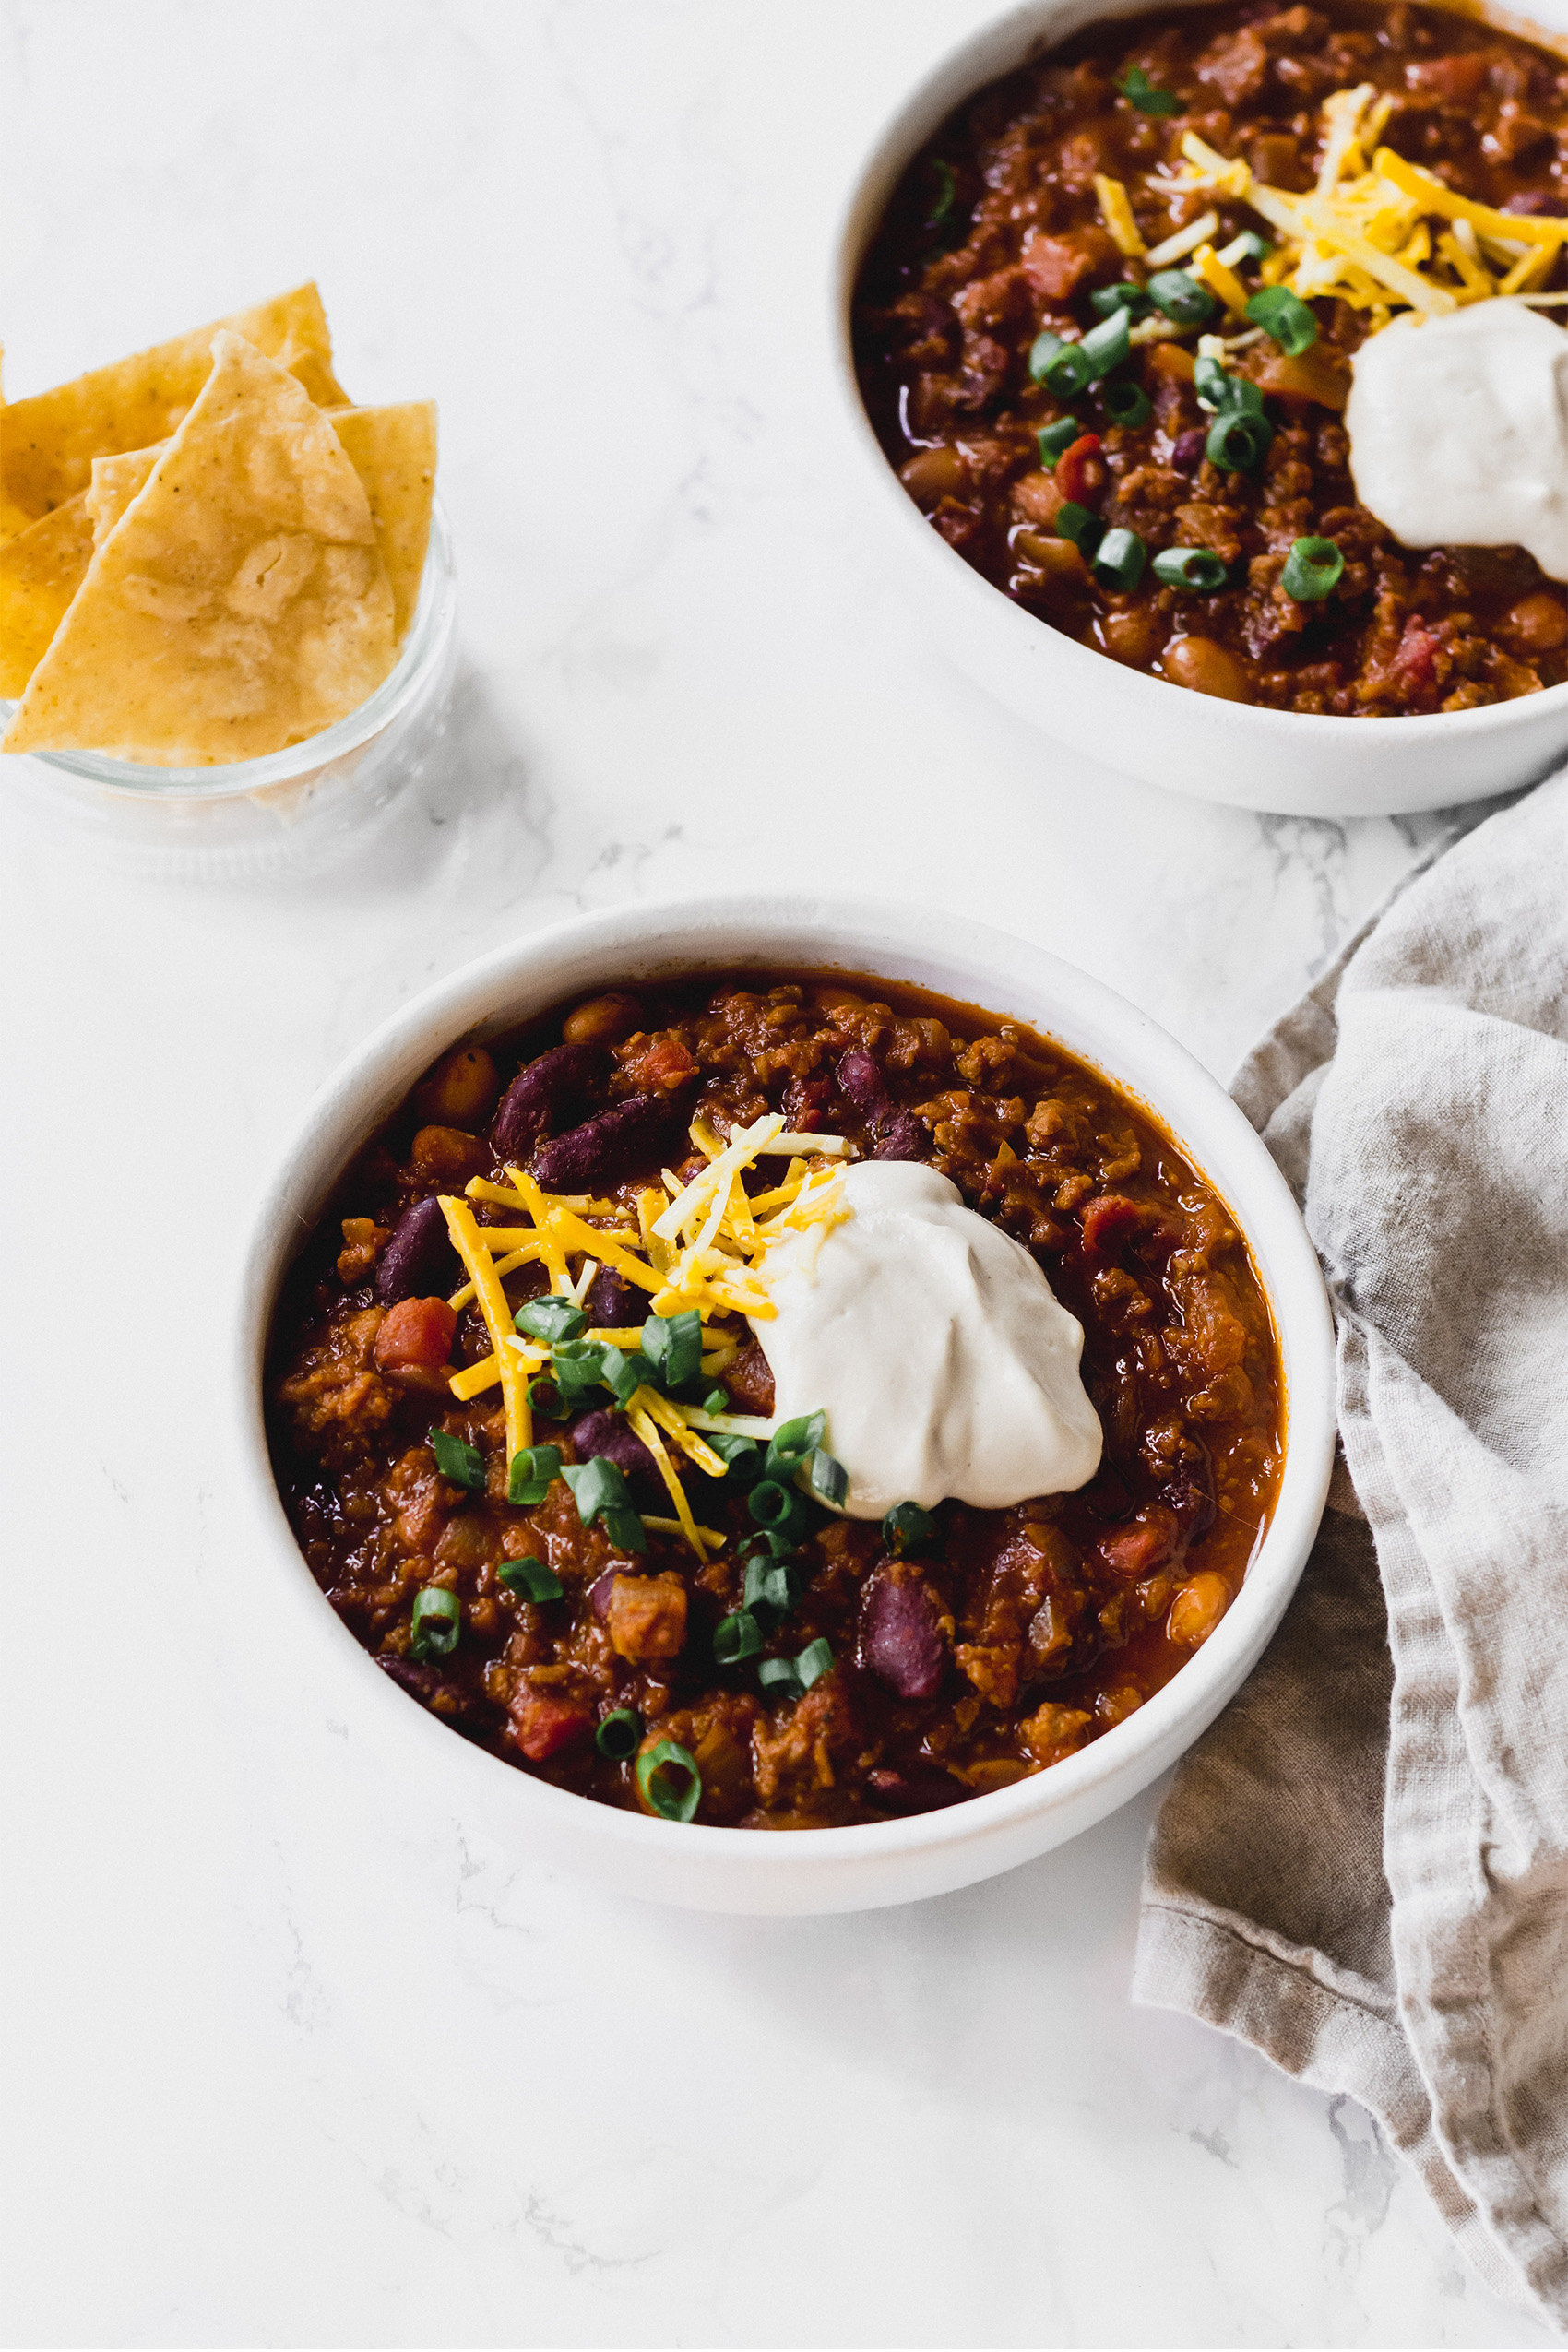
(418, 1260)
(917, 1789)
(606, 1145)
(1187, 451)
(562, 1076)
(600, 1593)
(899, 1136)
(468, 1710)
(862, 1081)
(612, 1301)
(897, 1133)
(607, 1434)
(1189, 1496)
(901, 1637)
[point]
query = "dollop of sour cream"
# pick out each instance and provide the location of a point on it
(946, 1364)
(1459, 431)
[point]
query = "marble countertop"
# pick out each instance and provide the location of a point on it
(296, 2056)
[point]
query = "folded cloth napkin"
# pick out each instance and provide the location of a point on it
(1362, 1868)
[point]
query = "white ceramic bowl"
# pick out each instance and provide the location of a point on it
(827, 1870)
(1284, 761)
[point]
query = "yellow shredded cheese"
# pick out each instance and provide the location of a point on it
(1207, 265)
(497, 1316)
(641, 1423)
(1116, 212)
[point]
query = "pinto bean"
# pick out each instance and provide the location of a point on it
(545, 1085)
(917, 1789)
(603, 1020)
(1198, 1608)
(901, 1637)
(607, 1434)
(447, 1156)
(932, 475)
(606, 1145)
(461, 1089)
(1207, 669)
(1536, 625)
(419, 1259)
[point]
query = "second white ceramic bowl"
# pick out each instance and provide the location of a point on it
(827, 1870)
(1280, 760)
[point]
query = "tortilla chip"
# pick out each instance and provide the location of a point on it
(40, 571)
(115, 481)
(49, 443)
(393, 451)
(239, 604)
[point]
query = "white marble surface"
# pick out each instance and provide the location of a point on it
(294, 2059)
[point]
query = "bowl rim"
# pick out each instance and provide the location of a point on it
(922, 104)
(423, 649)
(694, 932)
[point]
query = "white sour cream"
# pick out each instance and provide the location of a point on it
(1459, 431)
(936, 1346)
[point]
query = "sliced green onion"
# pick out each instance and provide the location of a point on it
(618, 1734)
(577, 1366)
(716, 1401)
(769, 1540)
(530, 1579)
(907, 1528)
(1106, 346)
(668, 1777)
(546, 1397)
(624, 1530)
(1127, 404)
(1179, 294)
(741, 1455)
(1197, 568)
(1132, 299)
(1072, 372)
(551, 1319)
(596, 1485)
(528, 1479)
(1119, 561)
(1139, 90)
(772, 1583)
(1285, 317)
(1218, 391)
(1043, 352)
(941, 214)
(1054, 438)
(779, 1678)
(792, 1445)
(736, 1637)
(1247, 246)
(674, 1343)
(1312, 569)
(436, 1620)
(829, 1478)
(1076, 523)
(623, 1375)
(1238, 441)
(776, 1509)
(464, 1465)
(814, 1661)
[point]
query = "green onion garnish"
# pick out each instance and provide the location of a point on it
(546, 1397)
(578, 1367)
(1063, 368)
(1132, 299)
(1218, 391)
(437, 1621)
(530, 1579)
(1139, 90)
(619, 1734)
(551, 1319)
(1197, 568)
(736, 1637)
(814, 1661)
(1127, 404)
(792, 1445)
(669, 1779)
(1238, 441)
(1043, 352)
(1054, 438)
(778, 1509)
(716, 1401)
(1312, 569)
(1285, 317)
(946, 202)
(1119, 561)
(673, 1344)
(528, 1479)
(1076, 523)
(742, 1455)
(907, 1528)
(464, 1465)
(771, 1583)
(626, 1530)
(1107, 345)
(624, 1375)
(599, 1490)
(1179, 294)
(779, 1678)
(768, 1540)
(827, 1477)
(1246, 246)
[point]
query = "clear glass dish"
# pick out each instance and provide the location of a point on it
(293, 809)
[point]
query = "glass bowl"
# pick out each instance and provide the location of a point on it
(293, 809)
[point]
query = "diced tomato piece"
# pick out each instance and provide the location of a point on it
(1450, 78)
(1148, 1540)
(416, 1331)
(1415, 664)
(660, 1065)
(1080, 470)
(1108, 1220)
(543, 1725)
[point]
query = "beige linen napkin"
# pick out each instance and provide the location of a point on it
(1362, 1869)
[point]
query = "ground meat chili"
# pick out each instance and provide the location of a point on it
(952, 1654)
(995, 233)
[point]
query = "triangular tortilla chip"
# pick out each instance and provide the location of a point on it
(239, 605)
(393, 450)
(115, 481)
(40, 571)
(48, 443)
